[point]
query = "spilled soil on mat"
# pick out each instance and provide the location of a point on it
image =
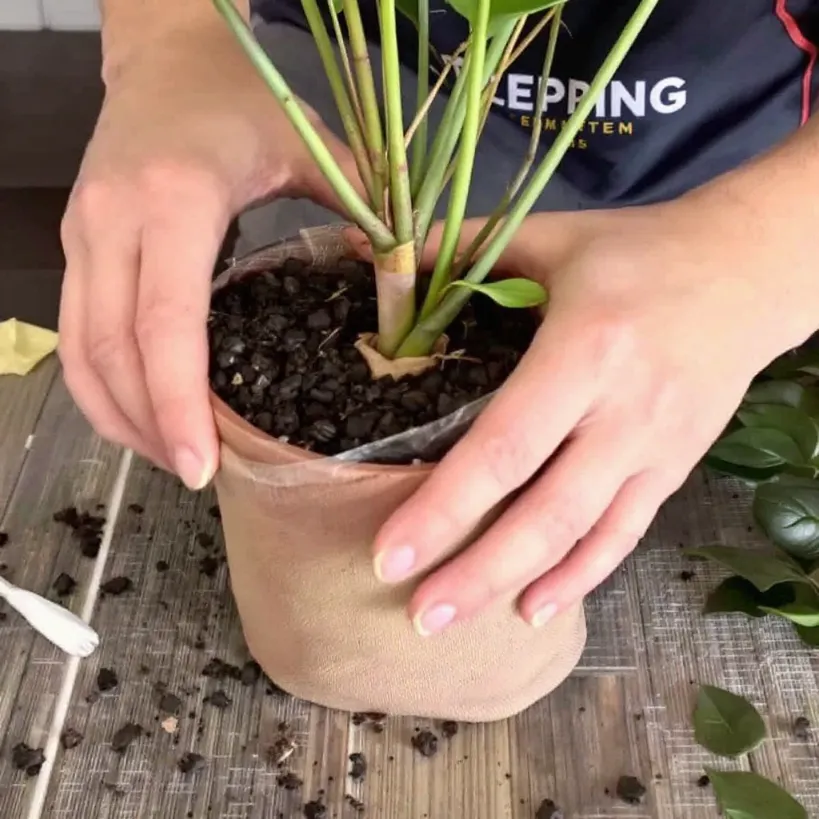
(283, 357)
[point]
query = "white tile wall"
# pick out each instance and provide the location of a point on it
(61, 15)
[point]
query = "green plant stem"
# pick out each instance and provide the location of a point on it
(345, 62)
(423, 110)
(449, 132)
(469, 254)
(378, 233)
(466, 160)
(419, 147)
(400, 197)
(341, 96)
(423, 336)
(373, 135)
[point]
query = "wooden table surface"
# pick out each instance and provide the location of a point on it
(625, 711)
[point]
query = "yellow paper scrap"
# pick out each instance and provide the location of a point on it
(23, 346)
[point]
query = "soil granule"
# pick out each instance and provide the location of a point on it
(449, 729)
(170, 704)
(64, 585)
(315, 810)
(358, 769)
(123, 738)
(208, 566)
(630, 790)
(25, 758)
(426, 743)
(282, 357)
(117, 586)
(107, 679)
(4, 539)
(136, 508)
(86, 528)
(251, 673)
(704, 781)
(289, 781)
(219, 699)
(801, 728)
(548, 810)
(191, 762)
(70, 738)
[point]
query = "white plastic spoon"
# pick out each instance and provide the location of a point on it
(57, 624)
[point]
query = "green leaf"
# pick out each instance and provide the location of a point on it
(409, 8)
(804, 610)
(725, 723)
(746, 795)
(503, 9)
(757, 448)
(788, 512)
(743, 473)
(809, 636)
(790, 420)
(508, 292)
(763, 569)
(735, 595)
(796, 362)
(784, 392)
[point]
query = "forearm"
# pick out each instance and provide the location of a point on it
(132, 28)
(770, 208)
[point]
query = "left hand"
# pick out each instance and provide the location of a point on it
(659, 318)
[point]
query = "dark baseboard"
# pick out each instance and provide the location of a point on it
(50, 95)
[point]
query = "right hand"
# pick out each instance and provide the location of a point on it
(187, 138)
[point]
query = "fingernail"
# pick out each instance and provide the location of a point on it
(542, 616)
(393, 565)
(435, 619)
(191, 468)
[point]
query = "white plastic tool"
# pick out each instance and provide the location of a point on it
(57, 624)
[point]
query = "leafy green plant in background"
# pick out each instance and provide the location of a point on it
(404, 173)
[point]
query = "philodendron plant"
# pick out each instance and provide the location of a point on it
(404, 173)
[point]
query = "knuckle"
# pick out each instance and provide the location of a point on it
(108, 348)
(91, 201)
(507, 459)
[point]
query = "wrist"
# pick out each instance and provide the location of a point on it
(765, 216)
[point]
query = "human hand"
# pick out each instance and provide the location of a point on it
(188, 136)
(658, 319)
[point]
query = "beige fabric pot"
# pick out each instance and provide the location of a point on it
(299, 530)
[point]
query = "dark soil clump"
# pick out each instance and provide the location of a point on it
(426, 743)
(25, 758)
(548, 810)
(191, 762)
(86, 528)
(64, 585)
(630, 790)
(289, 781)
(170, 704)
(136, 508)
(449, 729)
(251, 673)
(117, 586)
(801, 728)
(356, 804)
(162, 565)
(282, 357)
(208, 566)
(704, 781)
(358, 769)
(219, 699)
(315, 810)
(107, 679)
(125, 736)
(4, 539)
(686, 575)
(70, 738)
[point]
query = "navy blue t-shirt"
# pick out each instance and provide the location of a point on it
(706, 86)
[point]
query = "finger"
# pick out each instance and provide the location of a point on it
(533, 535)
(601, 552)
(111, 279)
(86, 388)
(180, 244)
(540, 404)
